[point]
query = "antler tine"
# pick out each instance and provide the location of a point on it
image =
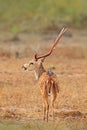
(53, 47)
(58, 38)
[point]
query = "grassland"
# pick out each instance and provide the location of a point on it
(20, 105)
(20, 96)
(32, 15)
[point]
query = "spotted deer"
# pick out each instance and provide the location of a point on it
(47, 80)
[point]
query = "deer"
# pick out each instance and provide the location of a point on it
(47, 79)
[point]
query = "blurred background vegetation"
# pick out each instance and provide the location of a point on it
(38, 15)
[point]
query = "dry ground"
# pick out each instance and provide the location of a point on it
(20, 96)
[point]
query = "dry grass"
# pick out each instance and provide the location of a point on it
(20, 96)
(18, 90)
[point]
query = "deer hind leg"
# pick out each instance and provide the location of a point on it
(54, 94)
(57, 88)
(53, 100)
(46, 109)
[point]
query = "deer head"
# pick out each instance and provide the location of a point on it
(37, 63)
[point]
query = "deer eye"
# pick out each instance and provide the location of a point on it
(31, 63)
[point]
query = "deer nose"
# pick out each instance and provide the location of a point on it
(24, 68)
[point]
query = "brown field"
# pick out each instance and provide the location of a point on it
(20, 97)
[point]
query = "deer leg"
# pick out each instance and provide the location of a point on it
(44, 111)
(45, 107)
(53, 100)
(57, 88)
(47, 110)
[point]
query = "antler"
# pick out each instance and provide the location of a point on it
(53, 47)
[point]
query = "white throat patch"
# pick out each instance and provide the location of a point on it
(36, 75)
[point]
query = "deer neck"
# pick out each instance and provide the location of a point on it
(39, 71)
